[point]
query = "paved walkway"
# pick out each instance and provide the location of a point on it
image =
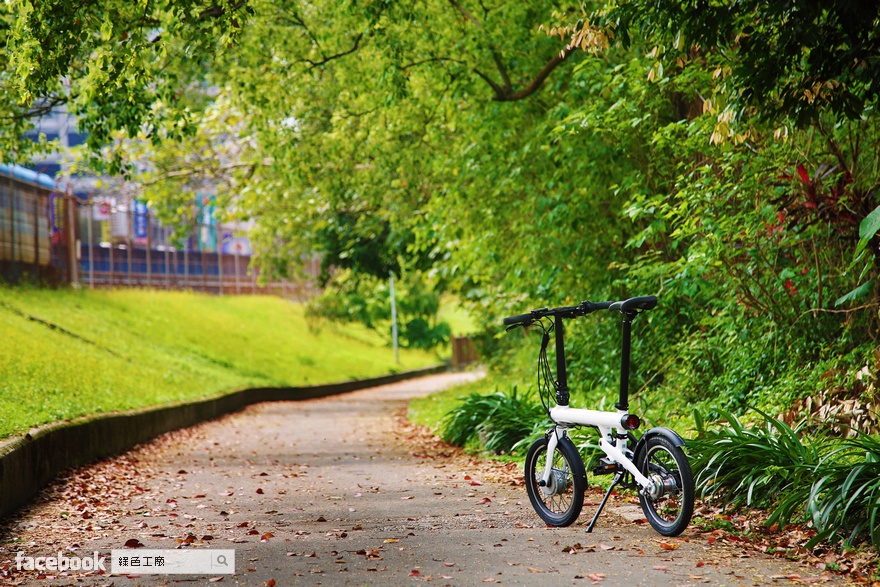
(333, 492)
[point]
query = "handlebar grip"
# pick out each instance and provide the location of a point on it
(594, 306)
(518, 319)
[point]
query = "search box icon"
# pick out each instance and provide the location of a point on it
(190, 561)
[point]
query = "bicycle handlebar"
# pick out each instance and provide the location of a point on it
(519, 319)
(582, 309)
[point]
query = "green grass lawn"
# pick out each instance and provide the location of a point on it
(124, 349)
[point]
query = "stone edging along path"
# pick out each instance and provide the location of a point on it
(28, 463)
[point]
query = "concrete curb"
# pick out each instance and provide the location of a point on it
(28, 463)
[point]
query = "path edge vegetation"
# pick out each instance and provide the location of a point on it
(69, 353)
(29, 462)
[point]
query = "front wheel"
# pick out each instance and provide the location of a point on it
(559, 502)
(668, 500)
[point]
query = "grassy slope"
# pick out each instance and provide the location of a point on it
(149, 348)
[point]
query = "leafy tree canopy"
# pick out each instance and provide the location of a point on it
(724, 156)
(115, 64)
(794, 58)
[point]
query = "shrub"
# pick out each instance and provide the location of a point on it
(752, 466)
(845, 498)
(832, 482)
(499, 422)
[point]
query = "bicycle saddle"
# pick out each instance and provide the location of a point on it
(639, 303)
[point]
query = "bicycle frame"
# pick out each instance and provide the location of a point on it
(608, 423)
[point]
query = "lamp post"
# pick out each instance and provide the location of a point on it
(394, 319)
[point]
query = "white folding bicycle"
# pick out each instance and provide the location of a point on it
(655, 464)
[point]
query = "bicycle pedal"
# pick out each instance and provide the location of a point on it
(605, 467)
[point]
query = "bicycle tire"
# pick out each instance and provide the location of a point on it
(560, 503)
(669, 512)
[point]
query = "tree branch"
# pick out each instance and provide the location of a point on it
(835, 149)
(505, 93)
(39, 110)
(535, 84)
(354, 47)
(431, 60)
(508, 88)
(297, 20)
(499, 91)
(190, 172)
(217, 10)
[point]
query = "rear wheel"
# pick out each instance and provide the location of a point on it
(559, 502)
(668, 501)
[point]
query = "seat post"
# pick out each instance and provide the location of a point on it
(623, 403)
(561, 375)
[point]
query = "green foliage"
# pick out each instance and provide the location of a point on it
(497, 422)
(754, 465)
(833, 483)
(367, 300)
(845, 497)
(700, 162)
(794, 59)
(117, 65)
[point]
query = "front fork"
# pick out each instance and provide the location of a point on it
(552, 443)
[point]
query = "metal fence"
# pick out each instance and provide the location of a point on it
(102, 242)
(27, 244)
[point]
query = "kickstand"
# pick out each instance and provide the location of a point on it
(614, 483)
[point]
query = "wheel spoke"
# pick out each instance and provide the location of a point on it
(560, 501)
(669, 505)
